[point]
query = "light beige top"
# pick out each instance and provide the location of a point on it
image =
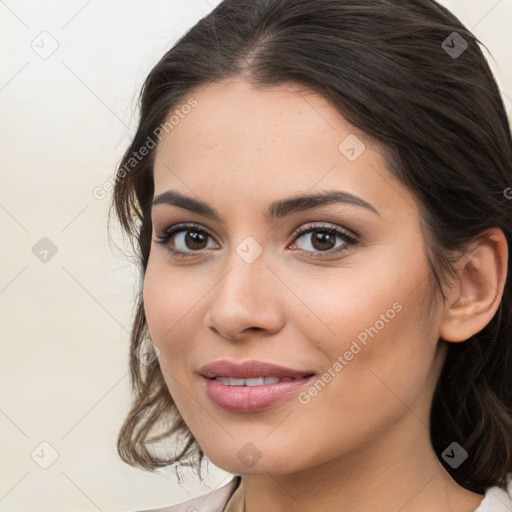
(230, 498)
(229, 495)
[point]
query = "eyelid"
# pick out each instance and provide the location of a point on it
(351, 240)
(167, 233)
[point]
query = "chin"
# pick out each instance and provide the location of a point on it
(250, 461)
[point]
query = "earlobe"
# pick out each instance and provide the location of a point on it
(473, 302)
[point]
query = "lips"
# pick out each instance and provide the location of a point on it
(250, 370)
(251, 386)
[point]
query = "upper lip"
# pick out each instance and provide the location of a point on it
(249, 369)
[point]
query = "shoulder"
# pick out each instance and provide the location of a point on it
(213, 501)
(497, 499)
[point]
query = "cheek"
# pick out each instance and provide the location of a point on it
(373, 327)
(356, 303)
(165, 312)
(170, 300)
(174, 305)
(385, 367)
(157, 301)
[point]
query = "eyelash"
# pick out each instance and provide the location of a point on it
(351, 241)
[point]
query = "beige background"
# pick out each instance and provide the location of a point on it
(65, 122)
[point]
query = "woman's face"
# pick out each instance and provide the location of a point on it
(351, 307)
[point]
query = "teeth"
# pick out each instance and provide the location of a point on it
(255, 381)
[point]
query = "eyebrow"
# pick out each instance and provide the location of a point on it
(276, 210)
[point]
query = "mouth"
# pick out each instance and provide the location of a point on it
(251, 386)
(250, 370)
(255, 381)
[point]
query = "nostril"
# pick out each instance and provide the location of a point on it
(253, 329)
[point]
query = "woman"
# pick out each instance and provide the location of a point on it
(318, 193)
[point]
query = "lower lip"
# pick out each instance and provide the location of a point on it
(252, 398)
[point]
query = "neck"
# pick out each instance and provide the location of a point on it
(397, 471)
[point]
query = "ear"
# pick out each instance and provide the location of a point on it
(473, 301)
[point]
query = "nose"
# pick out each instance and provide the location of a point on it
(245, 301)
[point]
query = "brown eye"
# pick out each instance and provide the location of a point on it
(194, 240)
(184, 239)
(323, 239)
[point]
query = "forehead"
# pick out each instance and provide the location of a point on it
(286, 115)
(280, 140)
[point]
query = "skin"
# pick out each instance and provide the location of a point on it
(362, 443)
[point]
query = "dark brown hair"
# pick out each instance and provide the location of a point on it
(396, 70)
